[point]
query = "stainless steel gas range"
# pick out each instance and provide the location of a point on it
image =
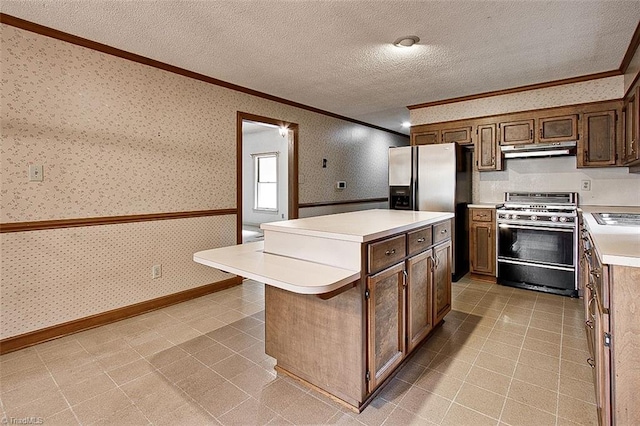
(538, 241)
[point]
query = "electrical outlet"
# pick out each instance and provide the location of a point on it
(586, 185)
(35, 172)
(156, 271)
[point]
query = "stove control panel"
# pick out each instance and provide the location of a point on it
(528, 217)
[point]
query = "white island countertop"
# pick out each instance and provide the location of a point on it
(359, 226)
(312, 274)
(617, 245)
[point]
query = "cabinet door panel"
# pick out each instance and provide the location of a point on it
(419, 298)
(483, 249)
(558, 129)
(386, 330)
(516, 132)
(488, 156)
(631, 129)
(461, 135)
(598, 146)
(442, 281)
(426, 138)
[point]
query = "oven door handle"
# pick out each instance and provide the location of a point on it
(537, 228)
(539, 265)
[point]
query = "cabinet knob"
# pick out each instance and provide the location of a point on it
(421, 240)
(390, 252)
(444, 231)
(596, 273)
(589, 323)
(591, 362)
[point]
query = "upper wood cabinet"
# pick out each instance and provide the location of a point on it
(597, 148)
(487, 151)
(460, 135)
(516, 132)
(425, 138)
(631, 112)
(558, 129)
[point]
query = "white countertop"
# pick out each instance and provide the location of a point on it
(310, 275)
(299, 276)
(359, 226)
(616, 245)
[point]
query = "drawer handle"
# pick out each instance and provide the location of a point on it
(589, 286)
(390, 252)
(596, 273)
(591, 362)
(421, 240)
(444, 231)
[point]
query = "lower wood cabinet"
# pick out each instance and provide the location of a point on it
(482, 241)
(441, 281)
(386, 319)
(419, 297)
(610, 296)
(405, 302)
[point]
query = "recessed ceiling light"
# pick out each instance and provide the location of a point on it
(406, 41)
(406, 124)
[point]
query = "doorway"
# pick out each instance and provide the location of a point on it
(267, 174)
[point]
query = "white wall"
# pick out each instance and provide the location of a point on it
(613, 186)
(268, 140)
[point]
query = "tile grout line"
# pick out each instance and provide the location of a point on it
(506, 398)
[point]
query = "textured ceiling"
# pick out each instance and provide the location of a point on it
(337, 55)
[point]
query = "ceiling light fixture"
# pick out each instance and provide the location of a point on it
(406, 41)
(406, 124)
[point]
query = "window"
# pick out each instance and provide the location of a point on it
(266, 181)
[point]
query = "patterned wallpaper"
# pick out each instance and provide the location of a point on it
(632, 71)
(58, 275)
(567, 94)
(120, 138)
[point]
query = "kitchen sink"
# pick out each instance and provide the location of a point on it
(618, 219)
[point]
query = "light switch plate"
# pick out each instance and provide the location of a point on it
(35, 173)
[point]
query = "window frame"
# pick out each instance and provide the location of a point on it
(256, 183)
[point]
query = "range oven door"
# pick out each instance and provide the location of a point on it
(538, 257)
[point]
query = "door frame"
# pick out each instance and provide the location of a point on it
(292, 165)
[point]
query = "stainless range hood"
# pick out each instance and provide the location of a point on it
(539, 149)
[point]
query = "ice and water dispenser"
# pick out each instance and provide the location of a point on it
(401, 195)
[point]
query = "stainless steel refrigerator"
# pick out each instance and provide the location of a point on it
(435, 178)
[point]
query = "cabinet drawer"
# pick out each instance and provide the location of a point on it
(419, 240)
(385, 253)
(441, 231)
(481, 215)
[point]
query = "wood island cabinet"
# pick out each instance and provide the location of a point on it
(419, 298)
(406, 300)
(482, 241)
(386, 323)
(598, 147)
(441, 281)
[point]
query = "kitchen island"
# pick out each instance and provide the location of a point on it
(348, 296)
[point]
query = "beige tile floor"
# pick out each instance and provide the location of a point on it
(504, 356)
